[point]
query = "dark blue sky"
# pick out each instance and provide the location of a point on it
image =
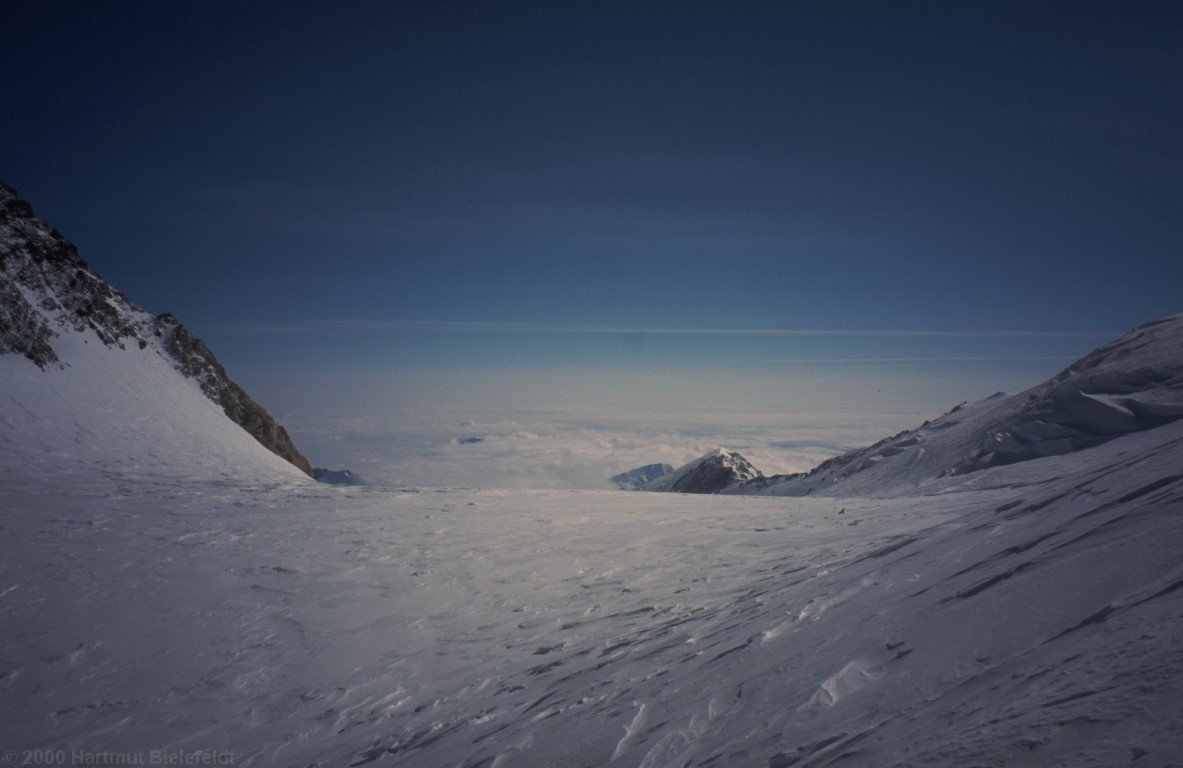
(310, 184)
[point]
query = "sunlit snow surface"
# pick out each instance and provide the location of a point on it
(1034, 623)
(167, 584)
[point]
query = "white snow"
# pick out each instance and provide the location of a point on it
(167, 584)
(125, 412)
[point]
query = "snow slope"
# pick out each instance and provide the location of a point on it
(1132, 384)
(1031, 617)
(125, 413)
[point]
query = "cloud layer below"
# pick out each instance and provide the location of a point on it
(576, 427)
(538, 450)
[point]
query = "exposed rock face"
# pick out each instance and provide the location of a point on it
(633, 479)
(195, 360)
(716, 472)
(46, 289)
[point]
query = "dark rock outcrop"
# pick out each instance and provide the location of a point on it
(46, 286)
(195, 360)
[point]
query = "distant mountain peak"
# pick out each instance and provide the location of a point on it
(718, 471)
(337, 476)
(634, 479)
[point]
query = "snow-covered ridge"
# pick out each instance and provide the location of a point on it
(1133, 384)
(52, 304)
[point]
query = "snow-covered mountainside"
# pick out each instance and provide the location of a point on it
(52, 305)
(633, 479)
(717, 472)
(1132, 384)
(124, 413)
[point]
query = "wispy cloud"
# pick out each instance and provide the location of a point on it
(463, 326)
(266, 329)
(958, 359)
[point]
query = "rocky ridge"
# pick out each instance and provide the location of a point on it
(46, 290)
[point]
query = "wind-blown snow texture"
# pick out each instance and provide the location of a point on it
(1029, 614)
(49, 297)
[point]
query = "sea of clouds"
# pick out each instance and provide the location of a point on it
(504, 405)
(577, 429)
(540, 450)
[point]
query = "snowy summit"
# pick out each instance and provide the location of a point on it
(719, 471)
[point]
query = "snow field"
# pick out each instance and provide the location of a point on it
(1031, 622)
